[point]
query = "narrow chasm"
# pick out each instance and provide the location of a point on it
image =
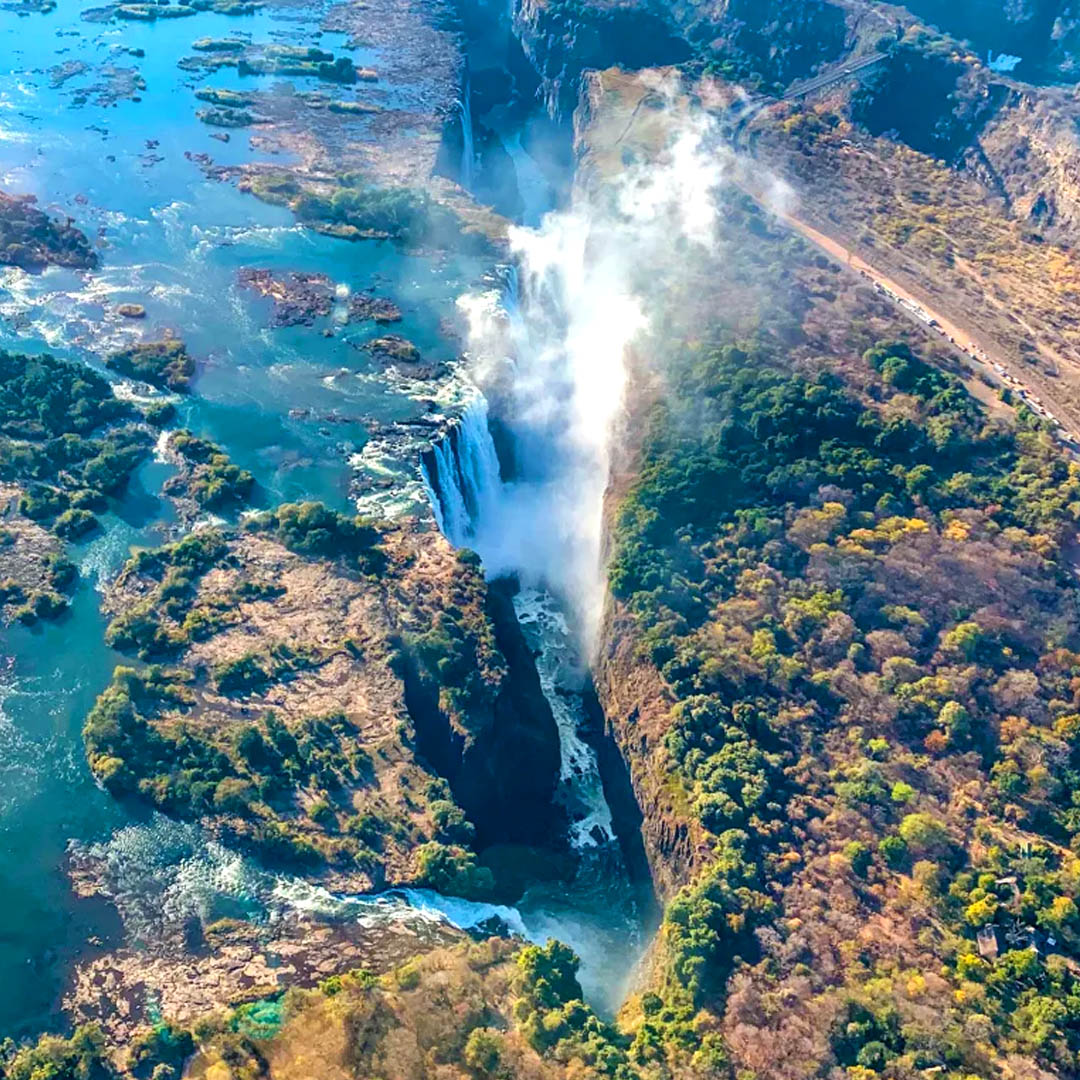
(501, 758)
(539, 776)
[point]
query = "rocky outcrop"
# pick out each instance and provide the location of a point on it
(32, 240)
(235, 962)
(1033, 147)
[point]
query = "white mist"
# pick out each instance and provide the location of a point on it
(587, 278)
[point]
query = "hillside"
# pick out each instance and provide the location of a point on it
(838, 659)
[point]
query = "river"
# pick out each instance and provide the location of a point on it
(288, 404)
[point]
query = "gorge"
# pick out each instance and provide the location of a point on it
(488, 591)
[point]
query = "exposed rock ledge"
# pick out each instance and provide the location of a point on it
(239, 962)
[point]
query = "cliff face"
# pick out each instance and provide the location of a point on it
(773, 40)
(563, 40)
(782, 41)
(500, 750)
(1033, 147)
(637, 707)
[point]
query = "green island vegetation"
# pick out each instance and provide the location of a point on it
(355, 108)
(65, 440)
(167, 618)
(209, 477)
(227, 98)
(210, 44)
(284, 786)
(162, 9)
(32, 240)
(861, 600)
(454, 655)
(229, 118)
(44, 601)
(310, 528)
(217, 740)
(355, 209)
(255, 60)
(296, 60)
(163, 363)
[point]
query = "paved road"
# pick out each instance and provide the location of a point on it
(1000, 368)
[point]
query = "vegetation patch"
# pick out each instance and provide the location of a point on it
(354, 209)
(274, 704)
(859, 597)
(163, 363)
(32, 240)
(208, 476)
(65, 440)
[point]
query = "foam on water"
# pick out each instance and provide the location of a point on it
(161, 873)
(562, 674)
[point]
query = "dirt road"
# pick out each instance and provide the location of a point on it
(970, 344)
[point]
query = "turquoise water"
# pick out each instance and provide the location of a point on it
(173, 240)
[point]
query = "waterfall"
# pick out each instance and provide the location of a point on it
(472, 506)
(468, 143)
(461, 474)
(161, 873)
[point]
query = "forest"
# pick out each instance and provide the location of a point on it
(863, 601)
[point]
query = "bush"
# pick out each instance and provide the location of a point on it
(452, 870)
(243, 675)
(81, 1057)
(233, 795)
(162, 363)
(72, 524)
(311, 528)
(482, 1052)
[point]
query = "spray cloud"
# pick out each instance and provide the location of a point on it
(587, 279)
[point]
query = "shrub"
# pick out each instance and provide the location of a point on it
(482, 1051)
(81, 1057)
(452, 870)
(163, 363)
(72, 524)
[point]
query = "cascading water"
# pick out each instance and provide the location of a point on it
(468, 139)
(601, 912)
(469, 499)
(553, 345)
(161, 874)
(536, 193)
(462, 472)
(562, 676)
